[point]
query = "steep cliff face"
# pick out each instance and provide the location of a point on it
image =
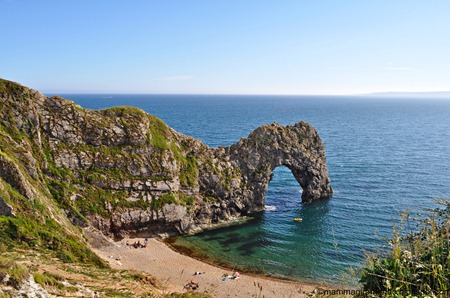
(125, 171)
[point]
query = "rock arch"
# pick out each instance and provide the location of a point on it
(298, 147)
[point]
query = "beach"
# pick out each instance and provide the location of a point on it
(175, 270)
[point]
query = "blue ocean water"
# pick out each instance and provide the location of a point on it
(384, 155)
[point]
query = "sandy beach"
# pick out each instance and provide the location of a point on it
(175, 270)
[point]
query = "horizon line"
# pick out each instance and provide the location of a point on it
(381, 93)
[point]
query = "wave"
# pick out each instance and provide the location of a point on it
(271, 208)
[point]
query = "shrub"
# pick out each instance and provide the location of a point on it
(48, 279)
(417, 263)
(17, 274)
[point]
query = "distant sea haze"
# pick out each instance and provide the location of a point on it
(410, 95)
(384, 155)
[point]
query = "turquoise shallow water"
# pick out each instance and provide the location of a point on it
(383, 156)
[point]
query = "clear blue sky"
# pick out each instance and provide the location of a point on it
(227, 46)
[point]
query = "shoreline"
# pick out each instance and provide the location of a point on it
(185, 251)
(174, 270)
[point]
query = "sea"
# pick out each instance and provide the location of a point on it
(385, 156)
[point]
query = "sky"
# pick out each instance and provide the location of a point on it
(226, 47)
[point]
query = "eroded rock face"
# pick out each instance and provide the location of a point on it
(6, 209)
(11, 173)
(125, 171)
(297, 147)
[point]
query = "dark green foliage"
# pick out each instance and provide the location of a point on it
(417, 264)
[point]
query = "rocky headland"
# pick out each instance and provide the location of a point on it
(124, 171)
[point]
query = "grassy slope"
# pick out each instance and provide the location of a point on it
(39, 240)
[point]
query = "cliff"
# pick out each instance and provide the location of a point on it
(124, 171)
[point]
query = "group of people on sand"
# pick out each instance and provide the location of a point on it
(235, 275)
(137, 244)
(192, 286)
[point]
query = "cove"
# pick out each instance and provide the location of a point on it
(276, 245)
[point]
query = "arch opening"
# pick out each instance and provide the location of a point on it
(283, 189)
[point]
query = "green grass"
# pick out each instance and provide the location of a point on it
(418, 262)
(125, 111)
(189, 170)
(48, 279)
(22, 232)
(186, 200)
(178, 198)
(158, 133)
(164, 199)
(16, 272)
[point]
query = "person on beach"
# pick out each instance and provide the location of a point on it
(95, 295)
(192, 286)
(195, 285)
(145, 242)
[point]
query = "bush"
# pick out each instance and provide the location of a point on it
(48, 279)
(418, 263)
(17, 274)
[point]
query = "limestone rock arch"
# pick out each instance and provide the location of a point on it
(298, 147)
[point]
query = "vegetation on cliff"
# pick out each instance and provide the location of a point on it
(418, 261)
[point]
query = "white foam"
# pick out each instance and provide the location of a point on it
(270, 208)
